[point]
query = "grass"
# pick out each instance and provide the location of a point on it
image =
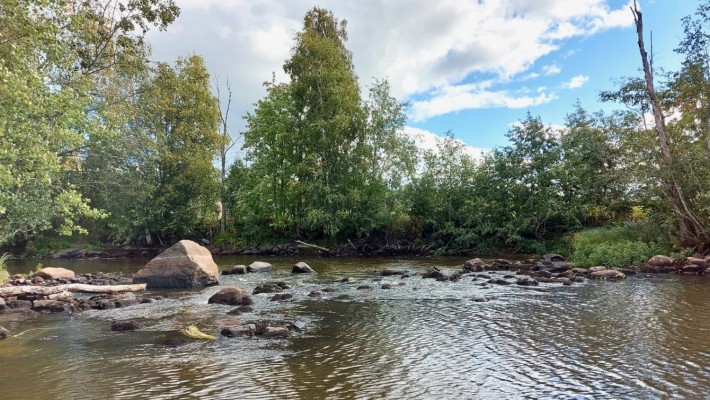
(616, 246)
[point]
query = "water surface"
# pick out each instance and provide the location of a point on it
(646, 337)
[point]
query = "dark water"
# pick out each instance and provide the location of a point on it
(647, 337)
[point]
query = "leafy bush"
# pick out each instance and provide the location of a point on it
(617, 247)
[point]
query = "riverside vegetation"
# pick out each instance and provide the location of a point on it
(99, 143)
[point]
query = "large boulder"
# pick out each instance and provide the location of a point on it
(232, 296)
(184, 265)
(259, 266)
(660, 261)
(55, 273)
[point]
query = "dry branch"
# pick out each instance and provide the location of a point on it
(72, 287)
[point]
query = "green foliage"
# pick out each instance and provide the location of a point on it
(624, 246)
(322, 162)
(54, 55)
(4, 276)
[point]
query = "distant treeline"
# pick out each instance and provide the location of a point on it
(95, 139)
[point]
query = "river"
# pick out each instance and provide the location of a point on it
(645, 337)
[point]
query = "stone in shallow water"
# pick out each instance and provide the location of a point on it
(232, 296)
(302, 268)
(124, 326)
(607, 274)
(259, 266)
(184, 265)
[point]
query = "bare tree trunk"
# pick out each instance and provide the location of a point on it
(688, 225)
(227, 144)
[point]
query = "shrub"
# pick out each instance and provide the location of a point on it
(617, 247)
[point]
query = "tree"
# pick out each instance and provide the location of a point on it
(329, 123)
(182, 115)
(226, 144)
(691, 229)
(51, 52)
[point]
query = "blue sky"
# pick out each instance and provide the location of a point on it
(473, 67)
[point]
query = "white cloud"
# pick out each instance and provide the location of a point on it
(418, 45)
(576, 82)
(452, 99)
(426, 140)
(550, 70)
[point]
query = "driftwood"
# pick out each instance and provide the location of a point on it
(323, 249)
(72, 287)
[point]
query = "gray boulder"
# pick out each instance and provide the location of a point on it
(184, 265)
(259, 266)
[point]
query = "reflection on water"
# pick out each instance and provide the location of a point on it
(642, 338)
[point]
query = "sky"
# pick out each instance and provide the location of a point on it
(472, 67)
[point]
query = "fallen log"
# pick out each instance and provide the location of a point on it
(323, 249)
(72, 287)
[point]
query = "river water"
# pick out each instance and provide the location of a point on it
(644, 338)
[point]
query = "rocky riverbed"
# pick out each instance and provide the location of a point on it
(551, 269)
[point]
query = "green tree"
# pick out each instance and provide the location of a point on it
(51, 53)
(181, 113)
(329, 123)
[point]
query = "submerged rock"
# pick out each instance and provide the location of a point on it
(4, 333)
(184, 265)
(247, 330)
(241, 310)
(268, 288)
(235, 270)
(275, 332)
(124, 326)
(282, 297)
(51, 306)
(232, 296)
(392, 272)
(525, 280)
